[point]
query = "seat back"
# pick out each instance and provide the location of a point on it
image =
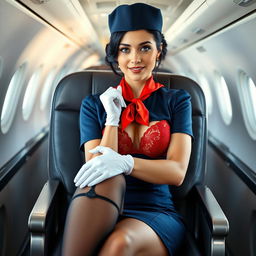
(65, 158)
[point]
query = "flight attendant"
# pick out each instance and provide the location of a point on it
(137, 142)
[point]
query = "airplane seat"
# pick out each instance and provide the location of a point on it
(206, 223)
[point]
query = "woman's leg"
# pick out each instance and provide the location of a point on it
(91, 218)
(133, 237)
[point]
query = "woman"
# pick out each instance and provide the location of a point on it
(137, 142)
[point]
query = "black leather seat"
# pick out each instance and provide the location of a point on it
(207, 225)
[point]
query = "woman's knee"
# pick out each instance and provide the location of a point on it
(119, 243)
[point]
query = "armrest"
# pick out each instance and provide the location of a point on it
(38, 215)
(216, 218)
(216, 221)
(42, 214)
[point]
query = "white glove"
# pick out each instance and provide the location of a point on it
(102, 167)
(113, 102)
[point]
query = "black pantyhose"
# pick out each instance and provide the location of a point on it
(92, 216)
(92, 194)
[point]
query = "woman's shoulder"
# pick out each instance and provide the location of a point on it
(92, 103)
(173, 93)
(91, 99)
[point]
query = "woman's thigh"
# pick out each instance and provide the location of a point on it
(141, 239)
(90, 219)
(113, 188)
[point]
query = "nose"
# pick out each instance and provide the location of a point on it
(135, 57)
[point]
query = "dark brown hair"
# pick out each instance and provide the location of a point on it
(113, 46)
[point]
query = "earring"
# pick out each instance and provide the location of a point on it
(157, 63)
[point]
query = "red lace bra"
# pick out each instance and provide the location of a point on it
(153, 143)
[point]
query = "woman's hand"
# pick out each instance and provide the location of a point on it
(113, 102)
(102, 167)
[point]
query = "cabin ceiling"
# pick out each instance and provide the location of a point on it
(97, 11)
(185, 22)
(86, 21)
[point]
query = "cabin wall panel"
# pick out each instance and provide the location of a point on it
(227, 51)
(25, 39)
(237, 201)
(18, 198)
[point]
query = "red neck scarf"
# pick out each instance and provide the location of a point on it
(136, 110)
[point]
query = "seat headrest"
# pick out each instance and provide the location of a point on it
(80, 84)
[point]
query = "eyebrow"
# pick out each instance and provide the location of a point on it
(146, 42)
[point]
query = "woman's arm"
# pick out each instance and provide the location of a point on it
(109, 139)
(113, 102)
(171, 171)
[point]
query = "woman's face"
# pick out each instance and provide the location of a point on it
(137, 55)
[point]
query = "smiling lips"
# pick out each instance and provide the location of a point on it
(136, 69)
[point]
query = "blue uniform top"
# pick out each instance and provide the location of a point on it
(171, 105)
(163, 104)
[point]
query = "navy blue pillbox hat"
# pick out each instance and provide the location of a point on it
(135, 17)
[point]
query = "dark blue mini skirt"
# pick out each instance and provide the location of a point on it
(167, 225)
(153, 204)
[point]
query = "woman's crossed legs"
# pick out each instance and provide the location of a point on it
(91, 224)
(133, 237)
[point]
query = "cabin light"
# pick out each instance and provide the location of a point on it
(244, 3)
(105, 5)
(103, 14)
(198, 31)
(183, 41)
(39, 1)
(201, 49)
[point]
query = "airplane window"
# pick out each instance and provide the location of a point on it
(30, 94)
(12, 97)
(252, 89)
(223, 98)
(247, 93)
(207, 92)
(60, 74)
(47, 88)
(1, 66)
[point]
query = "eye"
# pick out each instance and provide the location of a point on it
(124, 49)
(145, 48)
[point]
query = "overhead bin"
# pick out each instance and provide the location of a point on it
(204, 17)
(86, 22)
(69, 18)
(185, 22)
